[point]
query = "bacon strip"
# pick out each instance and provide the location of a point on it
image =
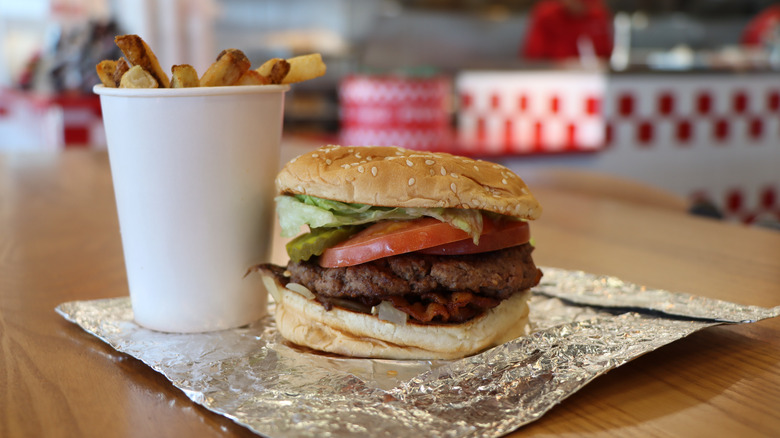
(430, 307)
(443, 308)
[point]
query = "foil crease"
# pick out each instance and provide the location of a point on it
(583, 325)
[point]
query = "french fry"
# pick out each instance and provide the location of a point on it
(252, 77)
(121, 68)
(141, 69)
(105, 71)
(305, 67)
(279, 71)
(274, 70)
(137, 77)
(265, 68)
(110, 72)
(184, 76)
(231, 64)
(139, 54)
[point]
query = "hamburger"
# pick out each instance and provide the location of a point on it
(404, 254)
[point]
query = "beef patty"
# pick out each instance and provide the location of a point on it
(430, 288)
(495, 274)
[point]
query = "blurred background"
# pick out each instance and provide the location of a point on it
(680, 94)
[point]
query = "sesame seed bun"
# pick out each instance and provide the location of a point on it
(397, 177)
(305, 322)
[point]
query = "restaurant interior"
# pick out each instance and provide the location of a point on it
(682, 102)
(151, 279)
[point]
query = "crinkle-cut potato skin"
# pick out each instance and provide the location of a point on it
(396, 177)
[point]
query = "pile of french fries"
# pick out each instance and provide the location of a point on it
(139, 68)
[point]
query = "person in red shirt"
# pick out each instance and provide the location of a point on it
(762, 29)
(558, 29)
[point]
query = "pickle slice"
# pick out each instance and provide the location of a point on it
(305, 246)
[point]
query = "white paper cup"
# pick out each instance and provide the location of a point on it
(193, 172)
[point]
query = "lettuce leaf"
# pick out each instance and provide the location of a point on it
(299, 210)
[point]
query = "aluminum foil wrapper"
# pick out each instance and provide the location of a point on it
(582, 326)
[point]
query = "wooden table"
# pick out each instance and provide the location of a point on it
(59, 241)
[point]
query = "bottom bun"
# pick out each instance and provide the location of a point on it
(305, 322)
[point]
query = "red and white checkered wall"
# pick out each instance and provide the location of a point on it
(504, 113)
(713, 136)
(391, 110)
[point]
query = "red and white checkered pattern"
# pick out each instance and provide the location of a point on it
(720, 132)
(687, 110)
(510, 113)
(712, 135)
(746, 206)
(396, 111)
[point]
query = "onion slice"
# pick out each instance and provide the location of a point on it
(300, 290)
(386, 312)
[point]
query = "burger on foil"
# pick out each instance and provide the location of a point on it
(408, 254)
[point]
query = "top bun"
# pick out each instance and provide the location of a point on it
(396, 177)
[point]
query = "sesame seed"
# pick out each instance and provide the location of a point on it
(360, 169)
(432, 172)
(357, 155)
(443, 171)
(454, 175)
(524, 190)
(454, 188)
(328, 161)
(503, 181)
(373, 171)
(430, 162)
(411, 181)
(315, 155)
(409, 163)
(476, 168)
(345, 166)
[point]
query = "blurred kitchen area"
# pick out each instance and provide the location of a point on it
(680, 94)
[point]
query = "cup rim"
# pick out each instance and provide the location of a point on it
(102, 90)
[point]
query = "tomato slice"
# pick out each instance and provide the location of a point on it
(426, 235)
(504, 235)
(387, 238)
